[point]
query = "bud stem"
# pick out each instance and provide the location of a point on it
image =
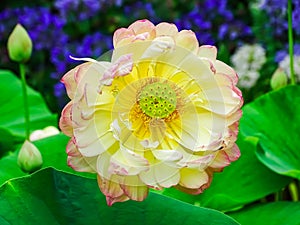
(25, 100)
(291, 44)
(294, 191)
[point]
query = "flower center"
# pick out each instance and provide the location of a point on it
(157, 100)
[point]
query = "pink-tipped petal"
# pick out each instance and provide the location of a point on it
(65, 121)
(110, 188)
(225, 69)
(199, 190)
(122, 34)
(140, 30)
(134, 188)
(73, 77)
(166, 29)
(233, 153)
(111, 200)
(220, 161)
(193, 178)
(223, 98)
(187, 39)
(208, 51)
(77, 161)
(121, 67)
(142, 26)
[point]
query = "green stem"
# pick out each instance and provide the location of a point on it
(25, 100)
(291, 44)
(278, 196)
(294, 191)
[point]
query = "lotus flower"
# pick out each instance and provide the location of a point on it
(163, 112)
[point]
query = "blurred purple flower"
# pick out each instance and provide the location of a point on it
(44, 28)
(79, 10)
(92, 46)
(212, 16)
(281, 54)
(277, 13)
(141, 10)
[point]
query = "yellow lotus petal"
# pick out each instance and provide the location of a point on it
(193, 178)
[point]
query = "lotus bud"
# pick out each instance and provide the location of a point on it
(29, 158)
(19, 45)
(279, 79)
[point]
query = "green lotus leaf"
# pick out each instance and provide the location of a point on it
(54, 197)
(274, 118)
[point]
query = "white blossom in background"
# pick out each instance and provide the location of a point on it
(247, 61)
(285, 65)
(46, 132)
(248, 79)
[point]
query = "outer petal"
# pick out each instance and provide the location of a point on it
(93, 133)
(111, 190)
(221, 97)
(73, 77)
(134, 188)
(225, 69)
(78, 162)
(142, 26)
(199, 190)
(121, 34)
(220, 161)
(166, 29)
(187, 39)
(65, 121)
(193, 178)
(208, 51)
(140, 30)
(111, 200)
(233, 153)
